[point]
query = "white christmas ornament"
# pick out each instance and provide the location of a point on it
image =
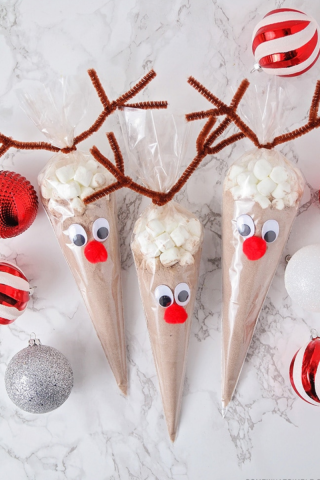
(302, 278)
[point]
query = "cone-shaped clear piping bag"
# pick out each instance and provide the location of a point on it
(261, 195)
(87, 235)
(166, 246)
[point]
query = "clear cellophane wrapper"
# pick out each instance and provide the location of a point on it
(261, 195)
(87, 234)
(166, 245)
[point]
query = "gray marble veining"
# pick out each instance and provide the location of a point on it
(97, 433)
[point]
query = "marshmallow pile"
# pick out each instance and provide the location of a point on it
(171, 239)
(262, 177)
(75, 181)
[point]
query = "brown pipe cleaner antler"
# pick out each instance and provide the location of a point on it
(231, 115)
(205, 140)
(108, 108)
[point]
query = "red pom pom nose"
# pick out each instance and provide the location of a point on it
(95, 252)
(175, 314)
(254, 247)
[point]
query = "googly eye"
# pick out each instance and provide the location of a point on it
(182, 294)
(245, 226)
(77, 235)
(270, 231)
(101, 229)
(164, 296)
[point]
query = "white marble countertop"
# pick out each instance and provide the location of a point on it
(98, 433)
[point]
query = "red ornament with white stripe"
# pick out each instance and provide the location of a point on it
(15, 292)
(305, 372)
(286, 43)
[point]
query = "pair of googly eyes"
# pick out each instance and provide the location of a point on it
(164, 295)
(246, 228)
(78, 235)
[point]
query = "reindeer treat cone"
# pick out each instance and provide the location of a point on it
(87, 233)
(168, 268)
(166, 246)
(261, 196)
(167, 239)
(256, 222)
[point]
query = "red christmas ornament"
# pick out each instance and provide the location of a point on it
(15, 292)
(304, 375)
(286, 43)
(18, 204)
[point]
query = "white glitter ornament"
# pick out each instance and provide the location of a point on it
(302, 278)
(39, 378)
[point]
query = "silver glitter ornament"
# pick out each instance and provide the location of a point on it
(39, 378)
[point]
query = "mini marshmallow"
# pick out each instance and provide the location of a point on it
(46, 192)
(86, 192)
(179, 235)
(266, 187)
(65, 174)
(281, 190)
(248, 190)
(143, 238)
(279, 174)
(229, 183)
(151, 250)
(155, 227)
(192, 244)
(278, 204)
(262, 169)
(185, 258)
(52, 183)
(98, 180)
(164, 242)
(69, 190)
(180, 219)
(170, 257)
(251, 165)
(263, 201)
(170, 224)
(194, 227)
(78, 205)
(246, 177)
(290, 199)
(286, 187)
(235, 170)
(92, 165)
(83, 176)
(236, 192)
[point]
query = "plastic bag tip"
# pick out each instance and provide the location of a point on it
(224, 409)
(172, 436)
(124, 389)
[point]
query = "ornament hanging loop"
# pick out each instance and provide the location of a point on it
(34, 341)
(256, 68)
(313, 334)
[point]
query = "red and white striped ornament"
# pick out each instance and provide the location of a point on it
(15, 292)
(286, 43)
(305, 372)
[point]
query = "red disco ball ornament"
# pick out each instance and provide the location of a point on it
(15, 292)
(305, 372)
(18, 204)
(286, 43)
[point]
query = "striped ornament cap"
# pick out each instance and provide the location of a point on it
(304, 376)
(286, 43)
(15, 292)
